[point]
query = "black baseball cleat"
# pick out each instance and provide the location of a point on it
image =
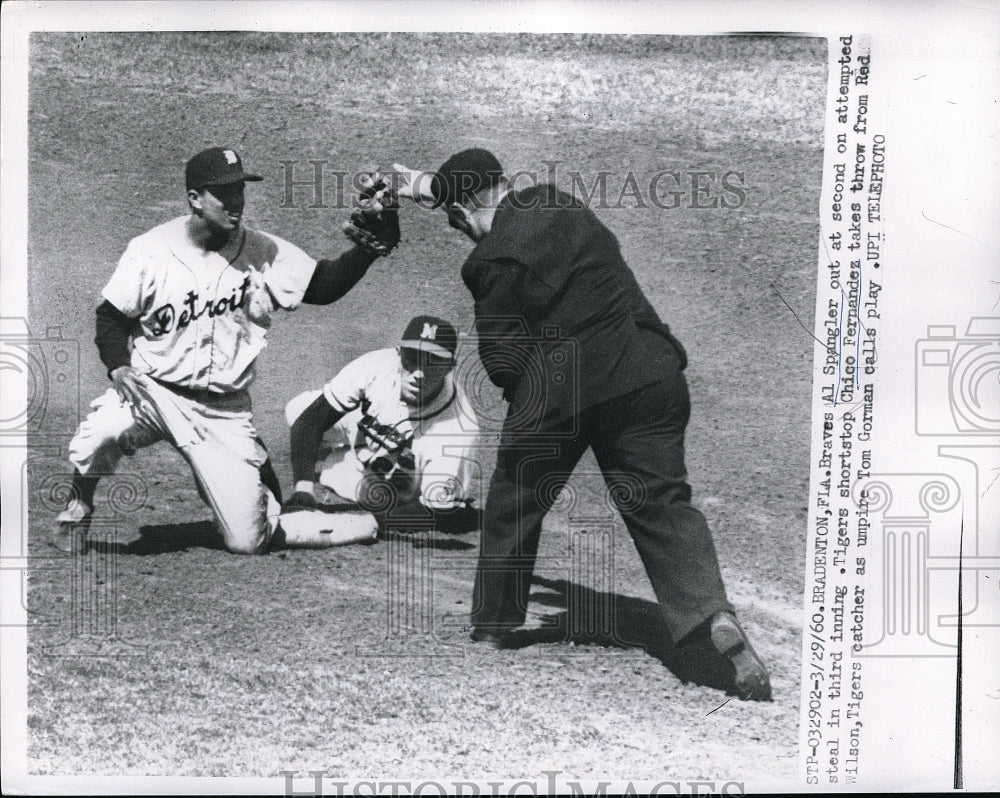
(300, 500)
(729, 639)
(496, 640)
(71, 528)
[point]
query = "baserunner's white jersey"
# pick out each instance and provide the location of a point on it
(429, 451)
(203, 319)
(384, 423)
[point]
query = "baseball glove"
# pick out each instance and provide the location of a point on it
(374, 222)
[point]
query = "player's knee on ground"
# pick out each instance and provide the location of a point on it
(253, 541)
(250, 530)
(245, 547)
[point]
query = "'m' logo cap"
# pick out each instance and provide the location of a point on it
(431, 334)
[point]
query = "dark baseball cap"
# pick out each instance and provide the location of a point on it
(464, 174)
(216, 166)
(430, 334)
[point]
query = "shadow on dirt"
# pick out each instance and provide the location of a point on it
(166, 538)
(443, 543)
(422, 539)
(450, 529)
(583, 616)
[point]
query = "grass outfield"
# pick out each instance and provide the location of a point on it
(250, 666)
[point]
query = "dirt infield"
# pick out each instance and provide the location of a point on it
(210, 664)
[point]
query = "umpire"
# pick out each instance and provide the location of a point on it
(545, 272)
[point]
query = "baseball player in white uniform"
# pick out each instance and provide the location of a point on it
(196, 297)
(402, 438)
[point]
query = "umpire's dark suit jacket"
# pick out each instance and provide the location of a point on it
(562, 322)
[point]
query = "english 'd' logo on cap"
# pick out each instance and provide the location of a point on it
(216, 166)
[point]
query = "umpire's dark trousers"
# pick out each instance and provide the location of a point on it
(640, 435)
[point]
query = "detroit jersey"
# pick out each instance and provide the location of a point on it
(203, 319)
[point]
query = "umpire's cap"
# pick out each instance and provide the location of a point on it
(216, 166)
(464, 174)
(431, 334)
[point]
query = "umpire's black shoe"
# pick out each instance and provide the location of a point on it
(497, 640)
(729, 639)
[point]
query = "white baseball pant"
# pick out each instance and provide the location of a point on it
(217, 438)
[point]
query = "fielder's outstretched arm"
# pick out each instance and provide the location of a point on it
(334, 278)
